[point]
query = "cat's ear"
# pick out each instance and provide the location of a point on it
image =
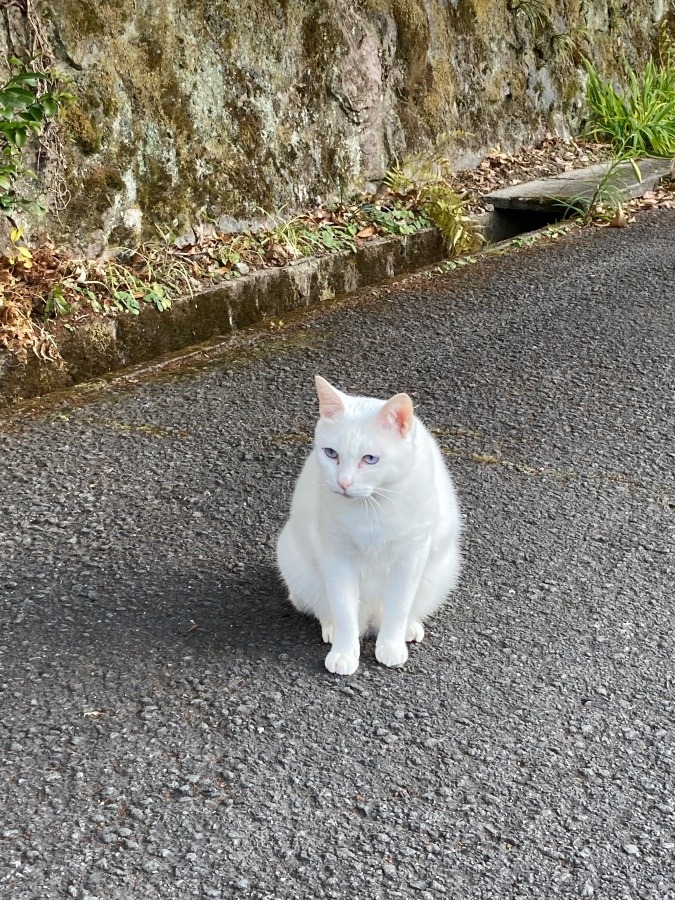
(331, 404)
(397, 414)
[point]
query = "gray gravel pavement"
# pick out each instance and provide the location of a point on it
(167, 727)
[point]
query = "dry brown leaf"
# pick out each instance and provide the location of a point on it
(367, 232)
(620, 220)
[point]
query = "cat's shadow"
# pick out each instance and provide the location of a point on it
(251, 616)
(250, 612)
(214, 614)
(208, 618)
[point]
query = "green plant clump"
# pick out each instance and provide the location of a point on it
(425, 180)
(641, 121)
(534, 12)
(27, 102)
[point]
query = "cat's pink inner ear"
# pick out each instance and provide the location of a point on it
(331, 405)
(397, 414)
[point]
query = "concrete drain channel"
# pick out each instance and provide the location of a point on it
(527, 207)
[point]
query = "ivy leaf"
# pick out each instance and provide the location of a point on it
(22, 113)
(49, 105)
(31, 78)
(36, 208)
(37, 111)
(16, 135)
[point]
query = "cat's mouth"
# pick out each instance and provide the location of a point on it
(349, 495)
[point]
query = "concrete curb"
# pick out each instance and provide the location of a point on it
(106, 344)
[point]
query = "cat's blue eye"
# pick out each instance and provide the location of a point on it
(370, 460)
(330, 453)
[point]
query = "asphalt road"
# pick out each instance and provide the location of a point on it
(168, 729)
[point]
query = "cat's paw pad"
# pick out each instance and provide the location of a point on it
(342, 663)
(327, 632)
(391, 654)
(414, 632)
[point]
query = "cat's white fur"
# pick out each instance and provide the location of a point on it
(370, 545)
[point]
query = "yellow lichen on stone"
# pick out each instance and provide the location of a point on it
(81, 129)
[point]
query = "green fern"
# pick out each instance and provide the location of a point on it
(447, 210)
(417, 170)
(425, 177)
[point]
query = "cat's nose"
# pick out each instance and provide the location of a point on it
(345, 482)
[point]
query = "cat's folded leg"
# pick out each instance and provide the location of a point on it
(439, 578)
(342, 589)
(400, 590)
(327, 631)
(414, 633)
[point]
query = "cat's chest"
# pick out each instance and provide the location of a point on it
(368, 530)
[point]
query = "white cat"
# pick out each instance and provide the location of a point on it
(372, 540)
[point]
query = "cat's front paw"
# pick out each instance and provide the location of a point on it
(342, 663)
(327, 632)
(414, 633)
(390, 653)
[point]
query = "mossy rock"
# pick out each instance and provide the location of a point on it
(81, 129)
(94, 195)
(231, 106)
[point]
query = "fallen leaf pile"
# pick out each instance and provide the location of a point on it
(549, 157)
(24, 284)
(662, 198)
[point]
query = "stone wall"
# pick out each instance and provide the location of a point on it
(212, 107)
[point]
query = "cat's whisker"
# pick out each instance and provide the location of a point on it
(394, 492)
(372, 503)
(375, 503)
(387, 493)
